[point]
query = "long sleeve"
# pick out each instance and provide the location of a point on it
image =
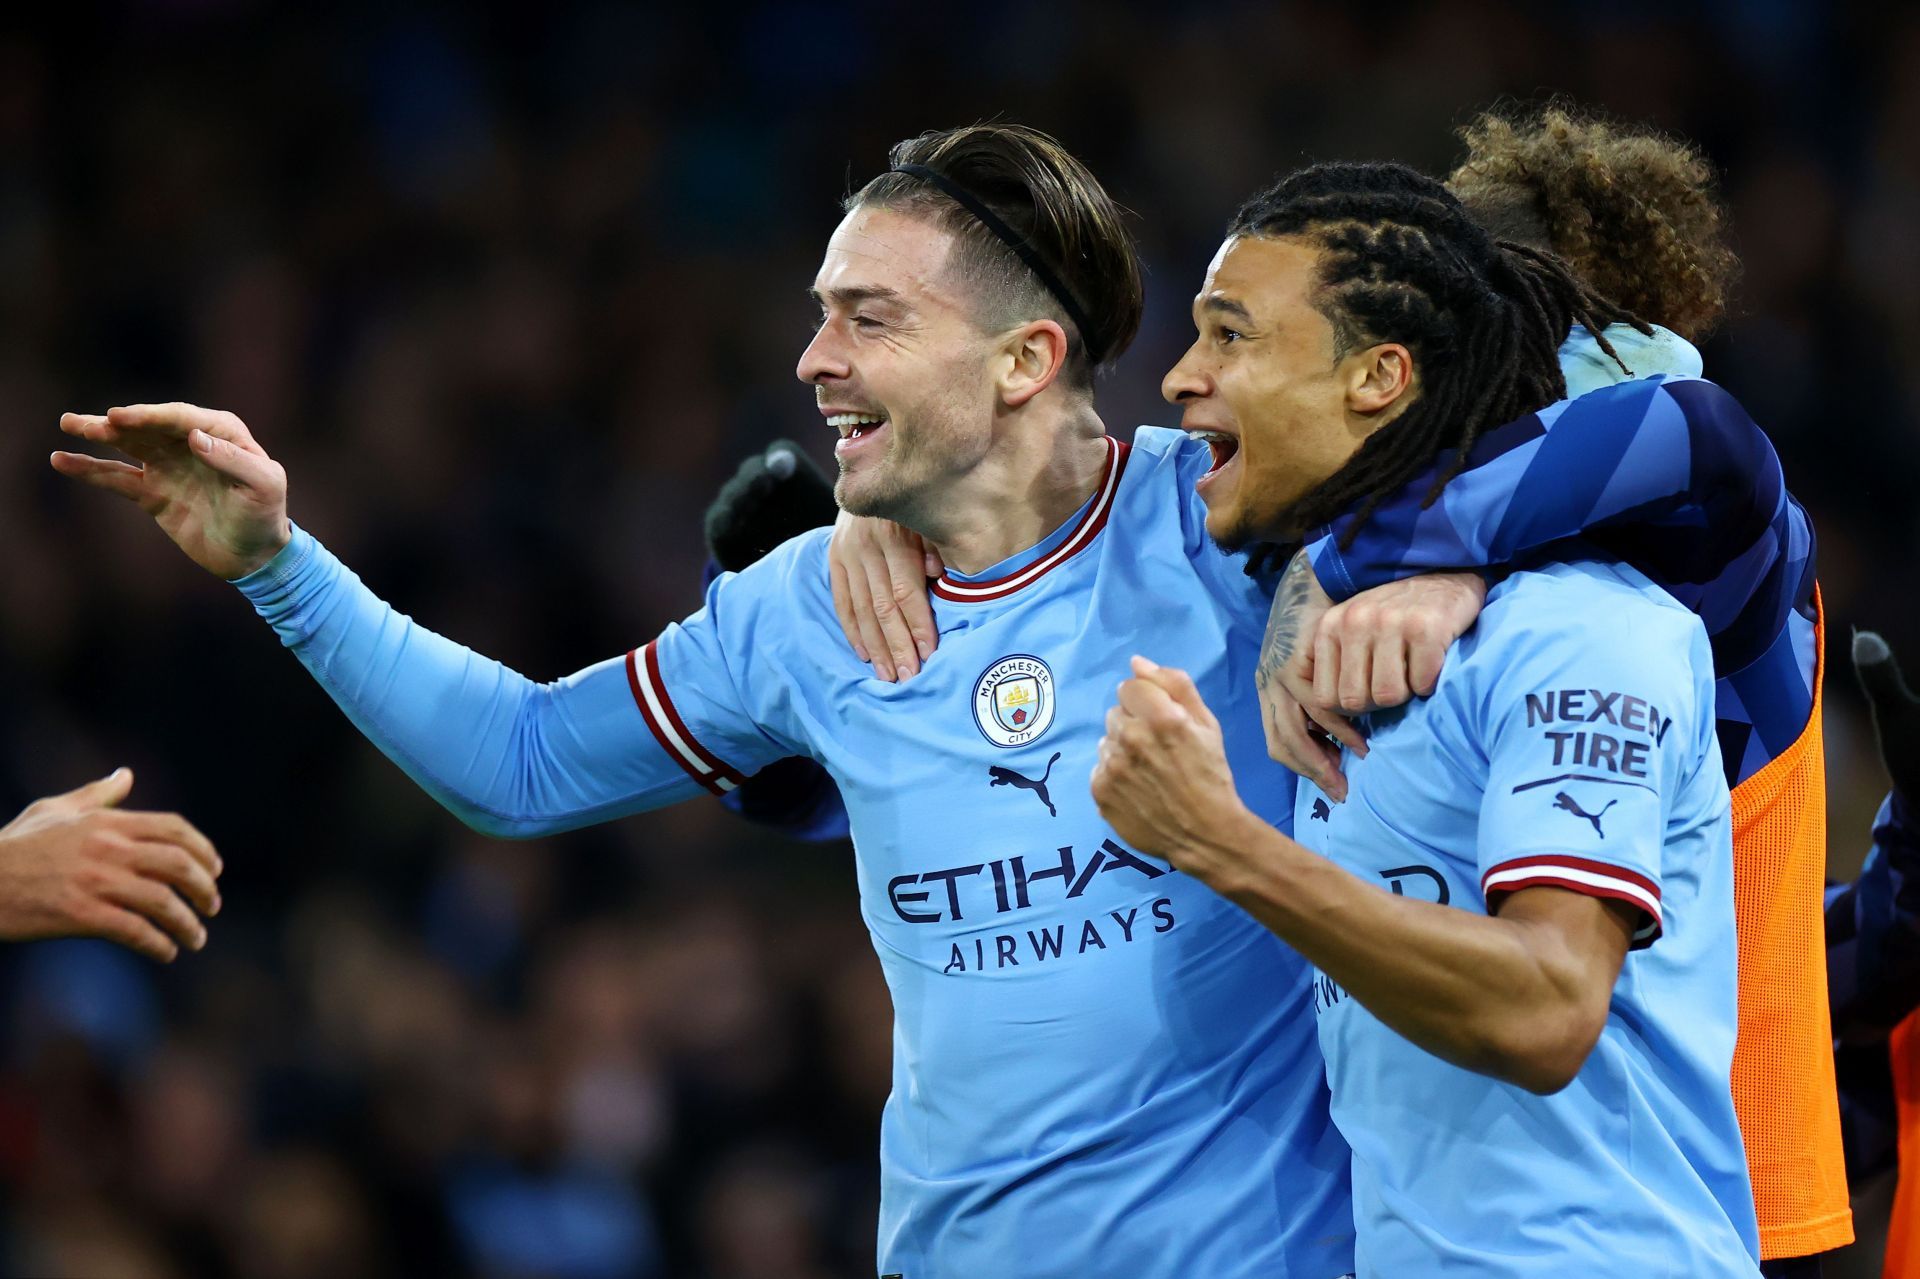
(1873, 974)
(794, 796)
(1873, 932)
(1670, 475)
(509, 756)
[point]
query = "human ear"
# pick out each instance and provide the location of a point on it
(1378, 378)
(1037, 354)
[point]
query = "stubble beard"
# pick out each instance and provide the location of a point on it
(881, 493)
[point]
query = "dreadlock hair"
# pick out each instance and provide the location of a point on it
(1401, 261)
(1635, 212)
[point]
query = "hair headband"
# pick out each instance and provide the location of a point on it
(1027, 254)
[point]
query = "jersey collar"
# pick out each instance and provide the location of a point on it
(1021, 570)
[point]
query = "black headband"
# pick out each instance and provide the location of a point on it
(990, 220)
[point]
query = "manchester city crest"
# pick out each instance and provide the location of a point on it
(1013, 700)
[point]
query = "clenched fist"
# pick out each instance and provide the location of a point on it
(1163, 782)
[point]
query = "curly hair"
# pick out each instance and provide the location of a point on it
(1635, 212)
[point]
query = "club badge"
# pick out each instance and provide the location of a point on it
(1013, 700)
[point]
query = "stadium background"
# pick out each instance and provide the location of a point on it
(510, 292)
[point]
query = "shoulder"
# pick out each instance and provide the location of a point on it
(1163, 468)
(1592, 615)
(1565, 597)
(1165, 451)
(1156, 477)
(1162, 442)
(790, 579)
(1160, 489)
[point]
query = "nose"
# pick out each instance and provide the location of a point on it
(823, 359)
(1186, 380)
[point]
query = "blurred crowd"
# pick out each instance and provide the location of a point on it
(509, 291)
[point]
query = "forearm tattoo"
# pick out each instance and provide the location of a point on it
(1285, 621)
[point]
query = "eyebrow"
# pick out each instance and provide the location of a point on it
(855, 296)
(1219, 305)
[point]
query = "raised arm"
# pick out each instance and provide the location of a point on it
(1873, 923)
(509, 756)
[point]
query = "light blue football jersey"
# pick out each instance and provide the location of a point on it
(1570, 743)
(1100, 1065)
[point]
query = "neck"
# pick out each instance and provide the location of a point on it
(1034, 477)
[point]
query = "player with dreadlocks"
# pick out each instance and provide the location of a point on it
(1528, 1034)
(1705, 513)
(1486, 325)
(1634, 212)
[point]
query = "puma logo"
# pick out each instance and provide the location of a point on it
(1565, 802)
(1007, 777)
(1320, 811)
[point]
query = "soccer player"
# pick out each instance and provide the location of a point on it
(1705, 512)
(1635, 214)
(1522, 917)
(79, 865)
(1099, 1063)
(560, 755)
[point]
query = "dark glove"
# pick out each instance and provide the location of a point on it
(775, 495)
(1896, 712)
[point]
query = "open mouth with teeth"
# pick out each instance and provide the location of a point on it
(853, 426)
(856, 429)
(1224, 447)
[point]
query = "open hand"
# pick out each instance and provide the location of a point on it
(197, 472)
(1323, 662)
(879, 572)
(77, 865)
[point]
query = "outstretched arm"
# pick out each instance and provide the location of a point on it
(510, 756)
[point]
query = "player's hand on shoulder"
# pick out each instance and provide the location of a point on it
(1323, 663)
(777, 494)
(77, 865)
(1299, 731)
(1384, 647)
(880, 573)
(198, 472)
(1162, 780)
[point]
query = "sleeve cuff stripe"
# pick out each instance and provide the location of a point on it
(650, 695)
(1561, 863)
(1501, 882)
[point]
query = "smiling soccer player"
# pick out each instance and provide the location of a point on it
(1100, 1065)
